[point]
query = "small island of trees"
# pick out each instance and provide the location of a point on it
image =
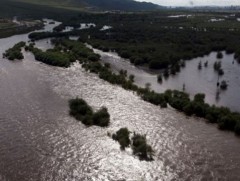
(14, 53)
(81, 111)
(138, 143)
(51, 57)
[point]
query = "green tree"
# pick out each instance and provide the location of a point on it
(122, 136)
(141, 148)
(101, 117)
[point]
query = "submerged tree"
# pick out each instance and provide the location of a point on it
(184, 87)
(217, 65)
(159, 78)
(101, 117)
(166, 73)
(200, 65)
(219, 55)
(122, 136)
(220, 72)
(141, 148)
(223, 85)
(182, 64)
(206, 64)
(131, 78)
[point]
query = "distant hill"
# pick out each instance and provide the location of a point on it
(123, 5)
(127, 5)
(63, 9)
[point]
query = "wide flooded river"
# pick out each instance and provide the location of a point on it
(39, 141)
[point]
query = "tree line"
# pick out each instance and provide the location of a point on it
(151, 39)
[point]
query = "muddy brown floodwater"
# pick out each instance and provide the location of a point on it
(39, 141)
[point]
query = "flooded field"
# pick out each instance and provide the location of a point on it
(191, 78)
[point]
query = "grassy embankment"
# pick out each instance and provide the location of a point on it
(8, 28)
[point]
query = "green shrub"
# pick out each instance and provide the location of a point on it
(101, 117)
(219, 55)
(79, 108)
(141, 148)
(81, 111)
(122, 136)
(14, 53)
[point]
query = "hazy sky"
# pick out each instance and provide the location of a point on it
(194, 2)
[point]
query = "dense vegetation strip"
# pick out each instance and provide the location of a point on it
(76, 50)
(14, 53)
(81, 111)
(137, 142)
(225, 119)
(154, 39)
(51, 57)
(42, 35)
